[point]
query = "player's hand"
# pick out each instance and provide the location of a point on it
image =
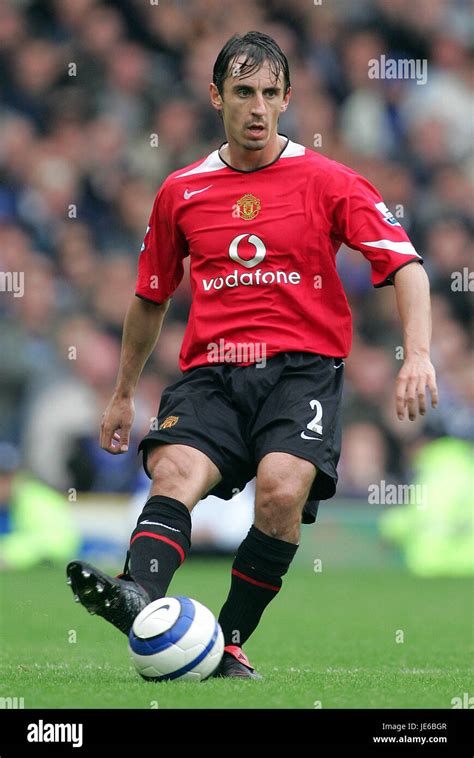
(117, 421)
(416, 374)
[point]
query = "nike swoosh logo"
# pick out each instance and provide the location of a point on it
(158, 523)
(188, 194)
(306, 437)
(162, 608)
(341, 364)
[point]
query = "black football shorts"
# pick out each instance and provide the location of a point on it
(237, 414)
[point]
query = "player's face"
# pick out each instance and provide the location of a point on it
(251, 106)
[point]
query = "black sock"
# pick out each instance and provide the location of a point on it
(259, 565)
(159, 544)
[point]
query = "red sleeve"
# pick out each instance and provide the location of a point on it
(160, 265)
(363, 221)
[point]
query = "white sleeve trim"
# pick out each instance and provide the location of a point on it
(403, 248)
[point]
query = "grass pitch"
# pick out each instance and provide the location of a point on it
(341, 639)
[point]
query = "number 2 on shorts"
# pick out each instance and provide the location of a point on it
(314, 425)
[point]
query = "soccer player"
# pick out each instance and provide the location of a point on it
(263, 354)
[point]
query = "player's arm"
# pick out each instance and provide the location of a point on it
(160, 270)
(142, 327)
(417, 373)
(363, 221)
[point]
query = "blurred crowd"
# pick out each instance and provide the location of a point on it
(99, 101)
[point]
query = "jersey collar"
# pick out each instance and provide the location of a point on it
(260, 168)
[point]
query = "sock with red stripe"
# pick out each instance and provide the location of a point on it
(159, 544)
(257, 572)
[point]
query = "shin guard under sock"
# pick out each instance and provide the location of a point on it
(259, 565)
(159, 544)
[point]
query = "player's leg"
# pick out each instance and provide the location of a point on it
(181, 476)
(283, 484)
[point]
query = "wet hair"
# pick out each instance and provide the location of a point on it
(257, 48)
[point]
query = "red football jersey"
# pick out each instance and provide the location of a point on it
(262, 247)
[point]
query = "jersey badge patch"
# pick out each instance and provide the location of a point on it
(249, 207)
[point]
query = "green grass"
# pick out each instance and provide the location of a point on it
(328, 637)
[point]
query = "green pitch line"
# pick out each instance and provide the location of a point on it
(328, 640)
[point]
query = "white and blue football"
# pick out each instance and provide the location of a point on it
(176, 638)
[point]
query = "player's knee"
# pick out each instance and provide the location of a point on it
(170, 470)
(277, 510)
(278, 494)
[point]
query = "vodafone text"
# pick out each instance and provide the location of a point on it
(250, 278)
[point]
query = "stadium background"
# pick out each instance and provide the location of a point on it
(99, 101)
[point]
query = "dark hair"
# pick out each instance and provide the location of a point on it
(257, 47)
